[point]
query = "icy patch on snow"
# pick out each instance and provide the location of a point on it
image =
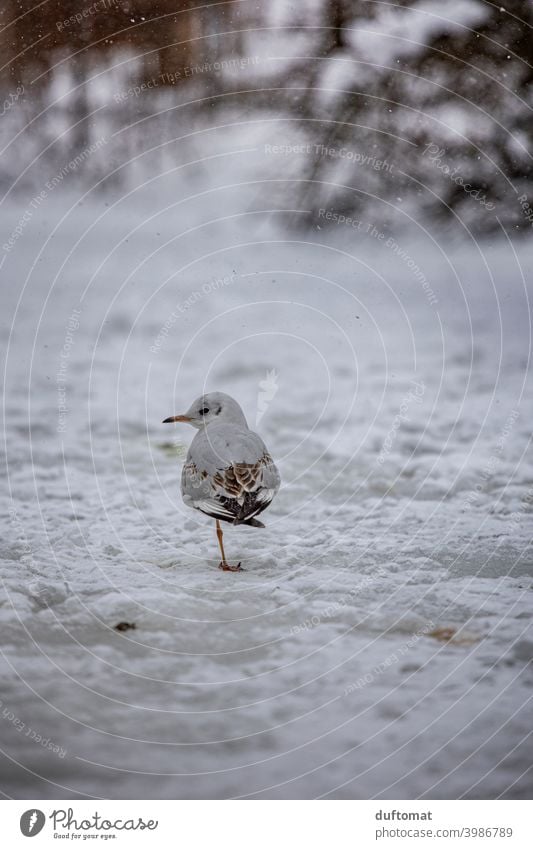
(378, 642)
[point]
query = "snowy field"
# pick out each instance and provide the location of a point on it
(379, 642)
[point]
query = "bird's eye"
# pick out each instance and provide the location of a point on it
(204, 411)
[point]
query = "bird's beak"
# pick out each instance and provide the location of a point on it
(176, 419)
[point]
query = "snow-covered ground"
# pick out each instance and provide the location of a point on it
(379, 642)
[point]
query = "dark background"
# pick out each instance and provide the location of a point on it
(417, 79)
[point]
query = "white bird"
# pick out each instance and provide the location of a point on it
(229, 474)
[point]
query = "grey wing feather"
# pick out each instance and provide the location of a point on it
(227, 488)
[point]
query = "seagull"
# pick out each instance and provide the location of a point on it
(229, 473)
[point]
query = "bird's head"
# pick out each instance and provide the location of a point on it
(215, 406)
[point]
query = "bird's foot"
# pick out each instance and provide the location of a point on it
(227, 568)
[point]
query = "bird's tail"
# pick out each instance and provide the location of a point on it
(253, 523)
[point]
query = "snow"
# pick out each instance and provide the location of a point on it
(400, 32)
(379, 642)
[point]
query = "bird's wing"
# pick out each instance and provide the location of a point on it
(237, 479)
(228, 471)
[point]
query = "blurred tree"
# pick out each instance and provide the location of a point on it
(406, 102)
(161, 32)
(441, 93)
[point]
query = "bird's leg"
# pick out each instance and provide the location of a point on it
(221, 544)
(224, 564)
